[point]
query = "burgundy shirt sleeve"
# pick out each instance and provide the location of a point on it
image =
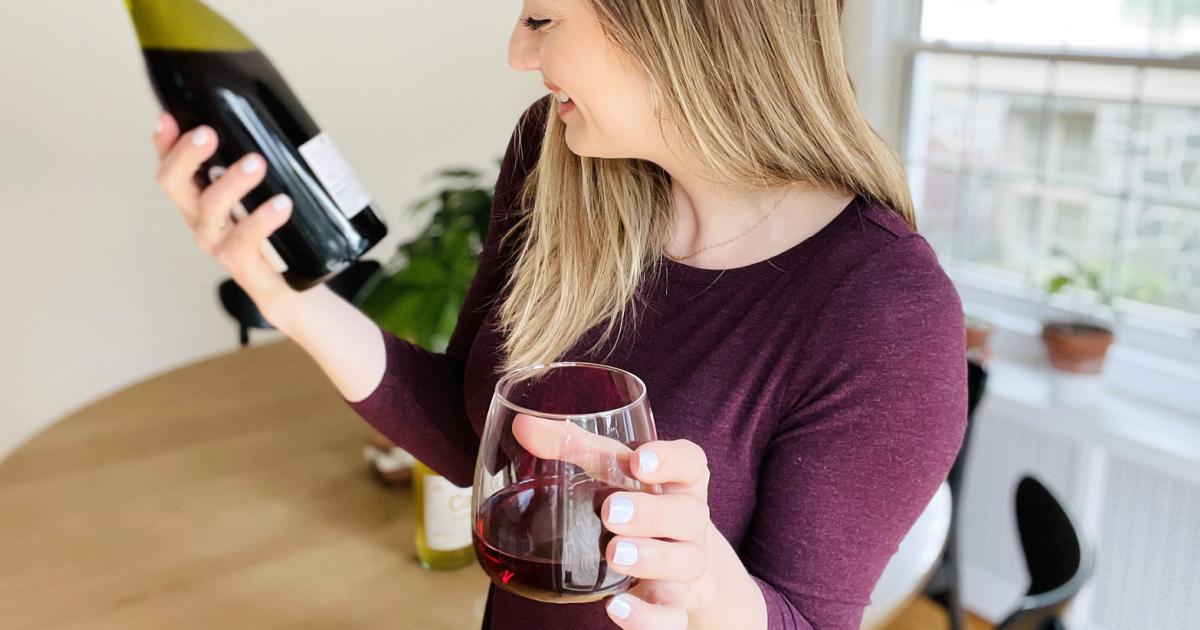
(872, 431)
(419, 402)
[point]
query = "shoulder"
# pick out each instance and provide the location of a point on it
(889, 309)
(885, 264)
(890, 330)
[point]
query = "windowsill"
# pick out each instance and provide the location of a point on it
(1143, 368)
(1116, 416)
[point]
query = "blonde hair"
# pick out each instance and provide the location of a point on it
(759, 92)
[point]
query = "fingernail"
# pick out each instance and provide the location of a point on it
(619, 608)
(281, 203)
(200, 138)
(626, 553)
(251, 164)
(647, 461)
(620, 510)
(158, 126)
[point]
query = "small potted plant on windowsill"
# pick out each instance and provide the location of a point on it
(1077, 348)
(978, 332)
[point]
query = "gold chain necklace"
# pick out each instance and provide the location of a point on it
(752, 228)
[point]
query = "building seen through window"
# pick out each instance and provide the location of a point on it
(1051, 130)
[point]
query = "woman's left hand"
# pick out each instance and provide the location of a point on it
(664, 539)
(689, 573)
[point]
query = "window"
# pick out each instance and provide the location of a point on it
(1041, 131)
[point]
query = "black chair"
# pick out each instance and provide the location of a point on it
(944, 586)
(348, 284)
(1056, 552)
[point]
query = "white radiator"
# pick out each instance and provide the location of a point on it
(1133, 474)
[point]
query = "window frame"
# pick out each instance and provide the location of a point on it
(1150, 360)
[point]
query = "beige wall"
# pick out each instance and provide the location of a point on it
(102, 284)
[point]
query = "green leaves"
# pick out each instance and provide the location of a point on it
(1082, 275)
(1057, 283)
(420, 301)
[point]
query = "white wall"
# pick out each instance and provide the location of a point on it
(103, 285)
(874, 33)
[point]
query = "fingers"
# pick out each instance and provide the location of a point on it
(166, 132)
(679, 465)
(656, 559)
(632, 613)
(600, 457)
(241, 248)
(674, 516)
(180, 163)
(217, 201)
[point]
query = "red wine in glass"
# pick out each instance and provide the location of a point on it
(519, 547)
(557, 443)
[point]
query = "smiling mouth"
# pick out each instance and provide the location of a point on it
(558, 92)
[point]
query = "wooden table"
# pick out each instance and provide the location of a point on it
(228, 494)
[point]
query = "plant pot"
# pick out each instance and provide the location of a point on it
(977, 341)
(1077, 348)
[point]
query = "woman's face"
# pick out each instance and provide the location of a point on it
(610, 112)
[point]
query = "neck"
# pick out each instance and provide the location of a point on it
(707, 214)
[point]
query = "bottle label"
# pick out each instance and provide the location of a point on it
(335, 175)
(447, 514)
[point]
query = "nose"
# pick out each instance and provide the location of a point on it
(523, 49)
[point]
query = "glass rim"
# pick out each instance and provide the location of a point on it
(560, 364)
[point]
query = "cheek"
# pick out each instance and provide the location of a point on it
(615, 112)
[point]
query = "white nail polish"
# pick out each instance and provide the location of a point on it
(251, 165)
(647, 461)
(619, 608)
(200, 137)
(281, 202)
(625, 554)
(620, 510)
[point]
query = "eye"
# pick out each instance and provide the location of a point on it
(534, 25)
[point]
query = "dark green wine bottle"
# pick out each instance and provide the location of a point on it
(205, 71)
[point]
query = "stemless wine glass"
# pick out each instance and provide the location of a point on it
(557, 442)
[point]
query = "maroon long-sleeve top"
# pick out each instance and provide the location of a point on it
(827, 386)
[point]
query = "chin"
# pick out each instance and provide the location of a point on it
(582, 144)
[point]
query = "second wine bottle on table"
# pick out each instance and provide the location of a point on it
(443, 514)
(206, 72)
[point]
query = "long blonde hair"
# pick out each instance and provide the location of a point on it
(759, 92)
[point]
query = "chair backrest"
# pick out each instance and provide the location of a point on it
(976, 383)
(240, 306)
(348, 284)
(1057, 555)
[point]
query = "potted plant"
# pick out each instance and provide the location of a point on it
(419, 293)
(1077, 348)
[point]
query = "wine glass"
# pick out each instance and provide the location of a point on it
(557, 442)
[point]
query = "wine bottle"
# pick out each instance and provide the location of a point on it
(443, 514)
(205, 71)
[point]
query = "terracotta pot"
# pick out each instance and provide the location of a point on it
(1077, 348)
(977, 342)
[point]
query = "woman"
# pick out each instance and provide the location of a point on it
(700, 203)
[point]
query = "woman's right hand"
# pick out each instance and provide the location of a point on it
(209, 213)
